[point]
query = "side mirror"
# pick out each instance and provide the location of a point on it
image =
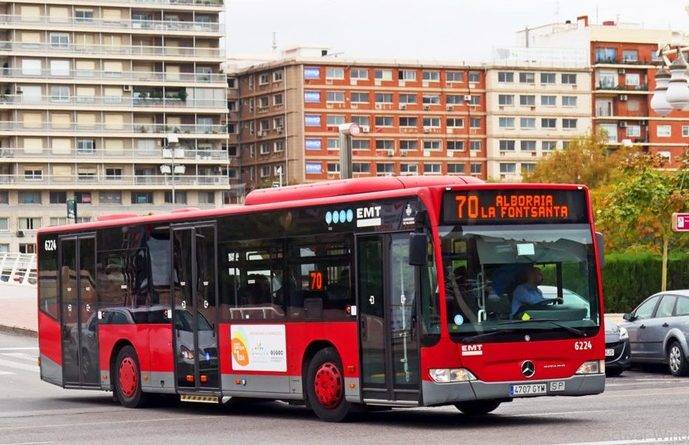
(600, 242)
(628, 317)
(418, 253)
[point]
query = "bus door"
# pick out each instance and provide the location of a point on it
(79, 319)
(195, 300)
(388, 334)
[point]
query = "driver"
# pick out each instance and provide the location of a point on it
(528, 293)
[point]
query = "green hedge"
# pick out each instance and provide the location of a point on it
(629, 278)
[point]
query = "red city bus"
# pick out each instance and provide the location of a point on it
(395, 292)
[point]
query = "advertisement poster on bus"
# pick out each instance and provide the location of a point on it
(258, 348)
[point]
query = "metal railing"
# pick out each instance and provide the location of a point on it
(133, 154)
(210, 3)
(134, 24)
(18, 268)
(113, 101)
(132, 76)
(119, 180)
(112, 50)
(181, 129)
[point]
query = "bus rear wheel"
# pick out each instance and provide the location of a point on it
(127, 379)
(477, 407)
(325, 386)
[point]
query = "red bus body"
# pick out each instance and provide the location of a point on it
(101, 330)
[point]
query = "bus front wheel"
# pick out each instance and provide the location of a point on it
(127, 378)
(325, 386)
(478, 407)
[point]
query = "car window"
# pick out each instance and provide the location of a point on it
(682, 306)
(666, 306)
(645, 309)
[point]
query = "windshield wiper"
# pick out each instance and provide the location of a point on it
(570, 329)
(486, 335)
(498, 332)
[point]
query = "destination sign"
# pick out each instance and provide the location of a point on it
(514, 207)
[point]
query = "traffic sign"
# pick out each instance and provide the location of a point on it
(680, 222)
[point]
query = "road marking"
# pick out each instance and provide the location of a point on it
(5, 372)
(15, 365)
(20, 355)
(24, 443)
(633, 441)
(34, 348)
(562, 413)
(108, 422)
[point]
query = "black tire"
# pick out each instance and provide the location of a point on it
(614, 372)
(676, 360)
(331, 406)
(128, 393)
(475, 408)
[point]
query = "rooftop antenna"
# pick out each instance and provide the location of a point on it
(597, 19)
(557, 9)
(275, 41)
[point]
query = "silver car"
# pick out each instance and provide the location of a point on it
(658, 330)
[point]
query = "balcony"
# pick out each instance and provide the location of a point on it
(111, 101)
(155, 130)
(105, 181)
(110, 25)
(182, 52)
(609, 86)
(137, 155)
(163, 3)
(118, 76)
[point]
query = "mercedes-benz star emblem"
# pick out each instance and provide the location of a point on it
(528, 369)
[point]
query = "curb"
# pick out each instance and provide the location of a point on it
(18, 331)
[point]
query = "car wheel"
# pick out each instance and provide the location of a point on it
(127, 379)
(325, 386)
(676, 360)
(477, 407)
(614, 372)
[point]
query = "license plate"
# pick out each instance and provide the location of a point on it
(609, 352)
(527, 390)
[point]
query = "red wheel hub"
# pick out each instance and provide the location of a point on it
(128, 377)
(328, 385)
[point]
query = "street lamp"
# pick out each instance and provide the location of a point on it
(347, 131)
(672, 89)
(171, 151)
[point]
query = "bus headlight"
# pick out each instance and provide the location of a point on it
(592, 367)
(451, 375)
(624, 334)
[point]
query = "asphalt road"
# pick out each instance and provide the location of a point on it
(646, 406)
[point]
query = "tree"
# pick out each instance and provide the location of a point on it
(586, 160)
(641, 202)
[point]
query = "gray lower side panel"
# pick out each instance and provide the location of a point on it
(160, 382)
(51, 372)
(446, 393)
(262, 386)
(352, 390)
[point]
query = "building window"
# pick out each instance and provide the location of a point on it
(506, 145)
(527, 100)
(455, 76)
(455, 169)
(312, 120)
(527, 78)
(409, 75)
(277, 76)
(606, 55)
(180, 197)
(431, 144)
(59, 40)
(383, 98)
(569, 101)
(335, 96)
(358, 97)
(312, 72)
(27, 248)
(113, 174)
(528, 167)
(475, 122)
(385, 144)
(406, 145)
(83, 15)
(58, 197)
(632, 79)
(431, 76)
(314, 168)
(264, 79)
(409, 169)
(83, 197)
(279, 146)
(527, 145)
(633, 131)
(334, 120)
(454, 122)
(59, 93)
(431, 122)
(508, 168)
(408, 121)
(474, 76)
(454, 99)
(630, 55)
(110, 198)
(506, 99)
(474, 99)
(86, 146)
(29, 223)
(361, 121)
(206, 197)
(4, 224)
(431, 169)
(548, 145)
(277, 99)
(33, 174)
(361, 144)
(313, 97)
(333, 167)
(548, 122)
(548, 78)
(358, 73)
(385, 168)
(548, 101)
(361, 167)
(475, 145)
(29, 197)
(455, 145)
(475, 168)
(569, 123)
(384, 121)
(505, 77)
(142, 197)
(383, 74)
(506, 122)
(263, 148)
(664, 131)
(569, 79)
(407, 98)
(334, 72)
(685, 131)
(333, 144)
(431, 99)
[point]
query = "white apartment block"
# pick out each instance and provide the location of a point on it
(113, 103)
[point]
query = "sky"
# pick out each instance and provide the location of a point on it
(461, 30)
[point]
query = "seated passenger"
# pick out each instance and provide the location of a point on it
(528, 293)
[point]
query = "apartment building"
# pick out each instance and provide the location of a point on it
(118, 104)
(624, 62)
(416, 118)
(533, 109)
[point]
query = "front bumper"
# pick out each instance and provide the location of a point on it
(622, 356)
(449, 393)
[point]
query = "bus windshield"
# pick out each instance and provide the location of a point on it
(516, 278)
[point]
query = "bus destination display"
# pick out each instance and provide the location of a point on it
(514, 207)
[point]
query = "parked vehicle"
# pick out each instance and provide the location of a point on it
(617, 350)
(658, 330)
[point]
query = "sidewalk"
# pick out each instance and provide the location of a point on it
(18, 308)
